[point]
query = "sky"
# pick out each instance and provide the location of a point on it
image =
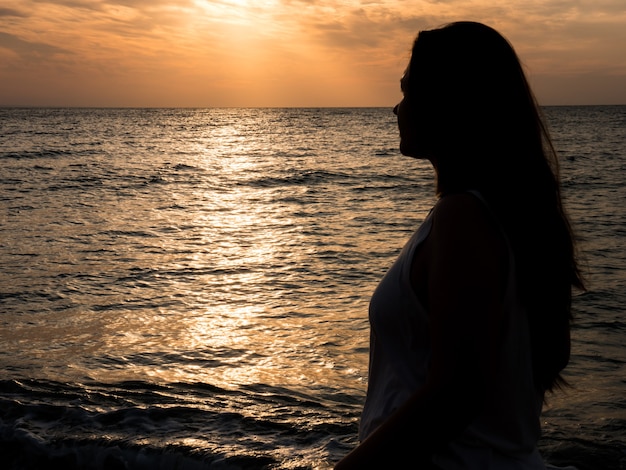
(286, 53)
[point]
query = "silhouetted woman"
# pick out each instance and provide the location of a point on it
(470, 326)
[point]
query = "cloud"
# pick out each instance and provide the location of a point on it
(12, 12)
(29, 50)
(346, 49)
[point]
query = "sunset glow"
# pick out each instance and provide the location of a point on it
(198, 53)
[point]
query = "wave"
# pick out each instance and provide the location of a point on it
(34, 154)
(326, 177)
(296, 179)
(139, 425)
(23, 450)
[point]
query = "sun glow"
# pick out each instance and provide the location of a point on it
(235, 11)
(281, 53)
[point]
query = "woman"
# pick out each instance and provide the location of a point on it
(470, 326)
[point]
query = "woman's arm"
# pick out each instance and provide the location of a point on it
(465, 257)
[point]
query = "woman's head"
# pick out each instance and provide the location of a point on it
(466, 101)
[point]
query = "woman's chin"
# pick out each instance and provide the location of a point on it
(409, 151)
(412, 152)
(405, 150)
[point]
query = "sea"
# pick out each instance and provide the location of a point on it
(188, 288)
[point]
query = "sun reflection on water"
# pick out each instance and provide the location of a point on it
(221, 259)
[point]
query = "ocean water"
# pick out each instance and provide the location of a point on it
(188, 288)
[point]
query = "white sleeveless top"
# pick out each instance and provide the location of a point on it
(505, 435)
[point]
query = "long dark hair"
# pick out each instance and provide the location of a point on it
(475, 115)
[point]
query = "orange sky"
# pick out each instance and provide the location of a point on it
(202, 53)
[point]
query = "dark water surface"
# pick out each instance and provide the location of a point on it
(187, 288)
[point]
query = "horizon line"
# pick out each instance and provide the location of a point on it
(4, 106)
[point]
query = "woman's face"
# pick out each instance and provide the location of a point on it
(409, 140)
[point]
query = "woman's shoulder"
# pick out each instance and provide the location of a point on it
(468, 249)
(462, 207)
(465, 218)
